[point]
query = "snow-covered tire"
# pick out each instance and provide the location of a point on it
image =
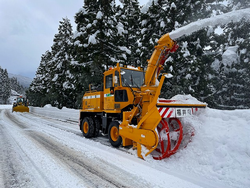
(88, 128)
(113, 134)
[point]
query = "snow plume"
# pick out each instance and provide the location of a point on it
(234, 16)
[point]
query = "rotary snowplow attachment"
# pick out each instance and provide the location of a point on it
(20, 105)
(160, 132)
(170, 132)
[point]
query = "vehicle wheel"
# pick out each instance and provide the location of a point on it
(88, 128)
(113, 134)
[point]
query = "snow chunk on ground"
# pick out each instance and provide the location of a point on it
(48, 106)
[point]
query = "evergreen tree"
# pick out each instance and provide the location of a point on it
(238, 4)
(129, 27)
(232, 77)
(151, 23)
(62, 83)
(95, 40)
(38, 92)
(5, 89)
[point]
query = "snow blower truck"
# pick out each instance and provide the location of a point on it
(129, 111)
(20, 105)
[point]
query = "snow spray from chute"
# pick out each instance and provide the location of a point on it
(234, 16)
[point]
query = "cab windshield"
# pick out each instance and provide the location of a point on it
(132, 78)
(20, 100)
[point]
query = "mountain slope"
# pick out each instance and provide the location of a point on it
(24, 81)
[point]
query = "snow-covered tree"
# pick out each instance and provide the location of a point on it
(94, 39)
(128, 32)
(5, 89)
(232, 66)
(62, 83)
(38, 92)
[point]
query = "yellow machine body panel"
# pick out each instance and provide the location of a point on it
(93, 101)
(20, 108)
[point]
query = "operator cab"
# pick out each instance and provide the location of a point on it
(119, 84)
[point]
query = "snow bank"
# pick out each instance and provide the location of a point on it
(53, 112)
(5, 106)
(234, 16)
(220, 148)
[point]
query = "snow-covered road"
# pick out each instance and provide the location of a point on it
(45, 148)
(32, 155)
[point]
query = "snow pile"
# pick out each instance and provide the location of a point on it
(234, 16)
(181, 99)
(220, 148)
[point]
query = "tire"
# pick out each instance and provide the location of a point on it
(88, 127)
(113, 134)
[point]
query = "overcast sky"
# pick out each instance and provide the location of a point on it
(27, 29)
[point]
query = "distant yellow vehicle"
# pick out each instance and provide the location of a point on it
(20, 105)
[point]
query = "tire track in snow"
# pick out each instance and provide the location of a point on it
(93, 172)
(9, 166)
(14, 162)
(102, 139)
(13, 119)
(76, 163)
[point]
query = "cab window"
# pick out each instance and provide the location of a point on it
(109, 81)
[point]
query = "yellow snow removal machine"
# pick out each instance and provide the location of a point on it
(20, 105)
(128, 110)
